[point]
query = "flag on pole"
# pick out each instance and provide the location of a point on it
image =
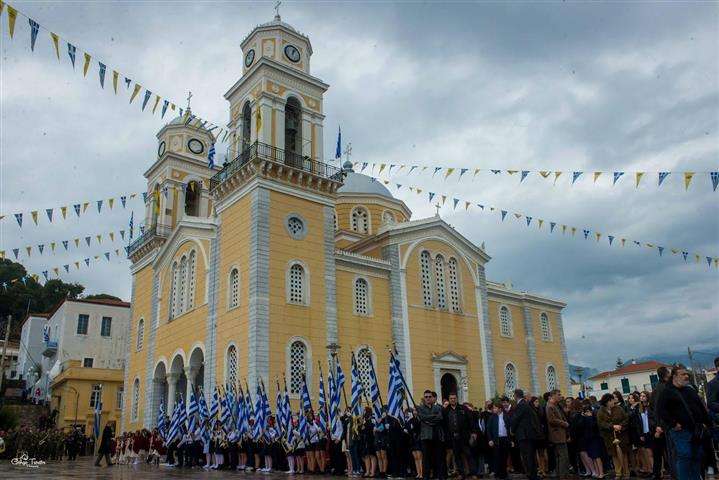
(338, 151)
(395, 388)
(323, 405)
(357, 388)
(98, 415)
(211, 157)
(374, 392)
(306, 402)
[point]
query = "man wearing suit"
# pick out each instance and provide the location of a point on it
(498, 431)
(526, 430)
(456, 423)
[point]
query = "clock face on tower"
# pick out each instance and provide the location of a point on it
(249, 58)
(161, 149)
(292, 53)
(195, 146)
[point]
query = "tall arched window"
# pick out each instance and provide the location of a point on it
(388, 218)
(439, 278)
(192, 199)
(155, 205)
(426, 270)
(135, 399)
(293, 130)
(231, 375)
(173, 290)
(510, 378)
(551, 378)
(246, 126)
(361, 297)
(234, 289)
(191, 280)
(298, 365)
(545, 327)
(182, 288)
(454, 297)
(364, 368)
(360, 220)
(140, 334)
(505, 322)
(296, 285)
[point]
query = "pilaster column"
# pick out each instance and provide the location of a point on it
(565, 369)
(306, 134)
(190, 374)
(531, 350)
(158, 385)
(172, 379)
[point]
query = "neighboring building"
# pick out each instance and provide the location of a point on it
(12, 352)
(84, 359)
(262, 267)
(32, 344)
(626, 379)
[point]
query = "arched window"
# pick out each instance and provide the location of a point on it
(140, 334)
(425, 266)
(173, 291)
(361, 297)
(135, 399)
(545, 328)
(360, 220)
(293, 132)
(388, 218)
(231, 375)
(182, 288)
(192, 199)
(296, 285)
(298, 365)
(364, 368)
(454, 296)
(439, 278)
(155, 205)
(551, 378)
(234, 289)
(510, 378)
(505, 322)
(191, 280)
(246, 126)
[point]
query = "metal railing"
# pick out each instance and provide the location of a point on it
(150, 232)
(264, 151)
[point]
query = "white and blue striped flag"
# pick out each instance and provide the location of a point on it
(374, 392)
(357, 389)
(324, 421)
(395, 388)
(192, 410)
(306, 402)
(211, 156)
(335, 422)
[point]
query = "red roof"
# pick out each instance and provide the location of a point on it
(628, 368)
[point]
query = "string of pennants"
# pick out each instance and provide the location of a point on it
(55, 245)
(586, 233)
(78, 208)
(88, 262)
(575, 176)
(150, 100)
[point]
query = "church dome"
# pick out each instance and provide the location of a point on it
(182, 120)
(362, 184)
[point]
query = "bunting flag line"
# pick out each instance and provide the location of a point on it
(575, 178)
(63, 209)
(586, 232)
(72, 49)
(90, 262)
(65, 243)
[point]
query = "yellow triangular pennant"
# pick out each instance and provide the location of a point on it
(64, 212)
(55, 40)
(596, 176)
(564, 229)
(544, 173)
(449, 172)
(518, 215)
(466, 205)
(52, 247)
(688, 179)
(99, 238)
(154, 107)
(598, 235)
(419, 190)
(115, 75)
(84, 206)
(137, 89)
(444, 199)
(11, 17)
(556, 176)
(77, 265)
(512, 172)
(624, 240)
(112, 236)
(87, 64)
(540, 221)
(381, 167)
(29, 249)
(638, 177)
(34, 216)
(57, 271)
(574, 230)
(77, 243)
(110, 202)
(476, 171)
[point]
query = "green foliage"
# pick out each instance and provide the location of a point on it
(18, 296)
(8, 419)
(102, 296)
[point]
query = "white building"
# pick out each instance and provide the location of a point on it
(629, 378)
(31, 347)
(11, 359)
(90, 331)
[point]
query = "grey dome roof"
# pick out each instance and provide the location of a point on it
(181, 119)
(358, 183)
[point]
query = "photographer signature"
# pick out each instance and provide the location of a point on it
(25, 461)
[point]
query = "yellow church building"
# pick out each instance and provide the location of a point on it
(264, 266)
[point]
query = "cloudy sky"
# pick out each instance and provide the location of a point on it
(551, 86)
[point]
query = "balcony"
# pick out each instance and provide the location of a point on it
(50, 348)
(154, 235)
(269, 161)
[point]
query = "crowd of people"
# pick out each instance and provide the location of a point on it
(45, 443)
(649, 434)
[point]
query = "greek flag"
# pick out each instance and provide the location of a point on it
(266, 412)
(204, 411)
(306, 402)
(302, 425)
(289, 429)
(175, 428)
(161, 420)
(248, 411)
(323, 405)
(280, 406)
(98, 414)
(46, 333)
(211, 157)
(192, 411)
(226, 415)
(259, 426)
(231, 401)
(338, 152)
(215, 405)
(182, 415)
(395, 388)
(357, 389)
(335, 423)
(132, 223)
(240, 413)
(374, 392)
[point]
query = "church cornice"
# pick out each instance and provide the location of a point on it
(273, 70)
(374, 199)
(180, 161)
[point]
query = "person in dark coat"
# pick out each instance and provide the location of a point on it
(432, 436)
(456, 423)
(526, 429)
(105, 447)
(498, 431)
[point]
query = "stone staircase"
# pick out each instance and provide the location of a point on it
(28, 414)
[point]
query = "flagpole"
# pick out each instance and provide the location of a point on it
(333, 351)
(401, 376)
(374, 376)
(324, 394)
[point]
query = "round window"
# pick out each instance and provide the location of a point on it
(296, 227)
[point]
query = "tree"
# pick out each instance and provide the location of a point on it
(21, 293)
(103, 296)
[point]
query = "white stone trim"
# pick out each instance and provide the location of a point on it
(458, 250)
(305, 282)
(511, 320)
(308, 361)
(556, 376)
(504, 376)
(178, 353)
(549, 327)
(370, 310)
(369, 219)
(225, 368)
(228, 302)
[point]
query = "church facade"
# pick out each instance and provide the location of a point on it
(264, 267)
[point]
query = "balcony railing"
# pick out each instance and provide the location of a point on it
(150, 233)
(263, 151)
(50, 348)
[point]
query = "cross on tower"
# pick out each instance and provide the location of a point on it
(348, 151)
(277, 9)
(437, 206)
(189, 97)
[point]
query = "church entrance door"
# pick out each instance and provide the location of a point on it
(449, 385)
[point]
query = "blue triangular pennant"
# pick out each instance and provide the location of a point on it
(436, 169)
(684, 254)
(71, 51)
(364, 165)
(529, 220)
(616, 176)
(41, 247)
(431, 196)
(67, 268)
(15, 251)
(399, 185)
(127, 83)
(148, 94)
(99, 206)
(480, 206)
(586, 234)
(495, 171)
(410, 170)
(48, 211)
(165, 103)
(524, 175)
(456, 201)
(504, 214)
(611, 238)
(709, 261)
(87, 240)
(123, 200)
(575, 176)
(462, 172)
(65, 244)
(34, 28)
(715, 180)
(77, 209)
(144, 197)
(662, 176)
(551, 226)
(44, 274)
(101, 73)
(107, 256)
(87, 262)
(18, 217)
(661, 250)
